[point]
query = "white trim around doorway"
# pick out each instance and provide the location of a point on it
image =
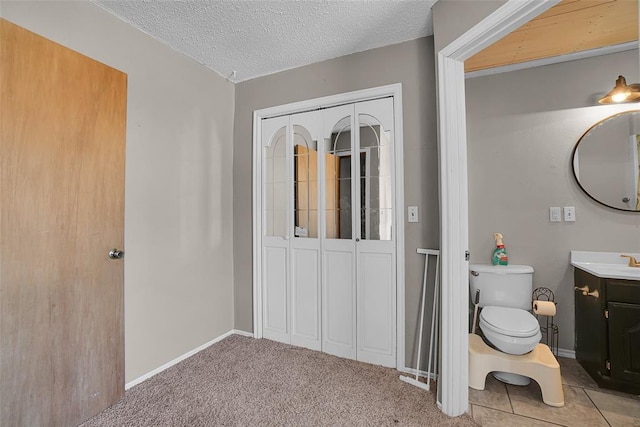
(453, 394)
(395, 91)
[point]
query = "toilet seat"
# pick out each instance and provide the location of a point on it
(513, 322)
(511, 330)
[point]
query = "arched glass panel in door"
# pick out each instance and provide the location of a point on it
(305, 172)
(376, 169)
(275, 185)
(337, 172)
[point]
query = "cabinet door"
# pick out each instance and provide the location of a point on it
(591, 326)
(624, 341)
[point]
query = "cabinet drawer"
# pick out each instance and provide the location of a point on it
(623, 291)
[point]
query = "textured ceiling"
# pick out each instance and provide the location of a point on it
(256, 38)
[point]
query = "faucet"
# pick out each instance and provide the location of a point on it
(632, 261)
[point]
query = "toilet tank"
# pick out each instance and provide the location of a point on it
(502, 285)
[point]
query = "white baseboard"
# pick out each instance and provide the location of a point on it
(563, 352)
(243, 333)
(571, 354)
(185, 356)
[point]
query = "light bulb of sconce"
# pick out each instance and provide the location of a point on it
(620, 96)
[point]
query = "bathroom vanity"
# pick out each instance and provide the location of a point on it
(607, 319)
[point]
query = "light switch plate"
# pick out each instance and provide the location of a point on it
(554, 214)
(569, 213)
(412, 214)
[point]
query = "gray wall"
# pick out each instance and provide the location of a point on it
(452, 18)
(522, 127)
(409, 63)
(178, 201)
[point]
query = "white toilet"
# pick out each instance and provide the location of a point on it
(505, 322)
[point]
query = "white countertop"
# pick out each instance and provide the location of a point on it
(608, 265)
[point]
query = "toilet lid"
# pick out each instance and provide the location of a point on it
(514, 322)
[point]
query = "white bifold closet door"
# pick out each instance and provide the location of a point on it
(359, 263)
(329, 264)
(291, 244)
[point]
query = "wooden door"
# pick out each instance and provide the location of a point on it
(61, 192)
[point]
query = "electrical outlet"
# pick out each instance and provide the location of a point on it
(554, 214)
(569, 213)
(412, 213)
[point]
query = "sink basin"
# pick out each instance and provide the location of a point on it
(608, 265)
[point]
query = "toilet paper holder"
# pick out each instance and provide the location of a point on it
(549, 330)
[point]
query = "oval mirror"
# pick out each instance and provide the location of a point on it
(606, 161)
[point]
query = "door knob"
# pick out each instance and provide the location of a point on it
(116, 254)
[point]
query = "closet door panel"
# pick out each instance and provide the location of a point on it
(339, 303)
(338, 278)
(275, 294)
(275, 189)
(340, 166)
(305, 296)
(275, 251)
(376, 278)
(305, 243)
(376, 308)
(306, 134)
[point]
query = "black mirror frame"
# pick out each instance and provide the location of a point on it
(573, 158)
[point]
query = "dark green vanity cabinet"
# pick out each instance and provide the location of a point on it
(607, 317)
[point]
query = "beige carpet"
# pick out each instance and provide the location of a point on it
(246, 382)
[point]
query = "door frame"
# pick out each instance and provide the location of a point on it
(453, 394)
(394, 91)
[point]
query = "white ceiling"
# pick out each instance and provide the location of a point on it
(259, 37)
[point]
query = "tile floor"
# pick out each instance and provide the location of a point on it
(586, 405)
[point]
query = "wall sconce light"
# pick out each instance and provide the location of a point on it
(622, 93)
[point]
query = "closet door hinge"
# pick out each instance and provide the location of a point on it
(467, 256)
(606, 314)
(608, 363)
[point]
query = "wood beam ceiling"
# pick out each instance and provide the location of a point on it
(570, 26)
